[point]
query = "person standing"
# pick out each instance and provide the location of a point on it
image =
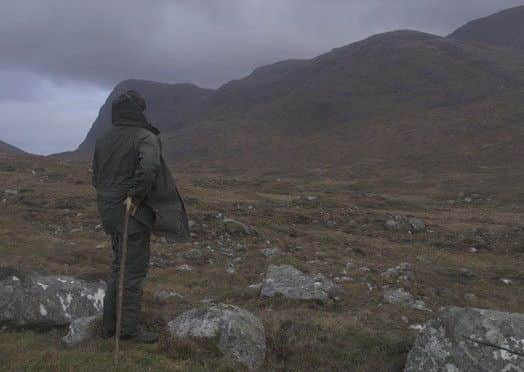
(129, 171)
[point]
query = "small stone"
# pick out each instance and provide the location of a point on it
(401, 297)
(184, 267)
(506, 281)
(231, 268)
(271, 252)
(11, 192)
(343, 279)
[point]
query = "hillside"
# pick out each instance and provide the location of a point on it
(170, 107)
(7, 148)
(503, 29)
(391, 97)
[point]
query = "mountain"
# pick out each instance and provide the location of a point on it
(7, 148)
(170, 107)
(402, 96)
(503, 29)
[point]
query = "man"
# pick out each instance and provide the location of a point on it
(128, 168)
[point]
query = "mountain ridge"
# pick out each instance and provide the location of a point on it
(290, 109)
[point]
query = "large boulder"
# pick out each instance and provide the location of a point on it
(469, 340)
(40, 300)
(237, 332)
(289, 282)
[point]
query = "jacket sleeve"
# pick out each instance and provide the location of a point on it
(148, 166)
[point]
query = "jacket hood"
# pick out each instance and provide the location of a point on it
(128, 110)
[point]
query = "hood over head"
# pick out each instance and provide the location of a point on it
(128, 110)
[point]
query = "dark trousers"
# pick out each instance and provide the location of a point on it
(137, 265)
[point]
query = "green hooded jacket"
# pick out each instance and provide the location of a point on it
(128, 161)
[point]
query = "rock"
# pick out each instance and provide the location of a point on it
(82, 330)
(469, 340)
(184, 268)
(237, 333)
(409, 224)
(402, 272)
(230, 269)
(401, 297)
(292, 283)
(11, 192)
(506, 281)
(234, 227)
(159, 262)
(416, 225)
(271, 252)
(343, 279)
(165, 295)
(394, 223)
(39, 300)
(255, 286)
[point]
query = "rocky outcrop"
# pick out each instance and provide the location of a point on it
(469, 340)
(40, 300)
(238, 333)
(289, 282)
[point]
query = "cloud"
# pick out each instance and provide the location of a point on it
(205, 42)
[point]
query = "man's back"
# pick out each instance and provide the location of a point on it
(116, 159)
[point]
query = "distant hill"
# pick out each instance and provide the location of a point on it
(402, 95)
(7, 148)
(502, 29)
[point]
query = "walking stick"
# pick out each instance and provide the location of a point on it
(120, 294)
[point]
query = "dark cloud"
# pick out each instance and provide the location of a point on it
(206, 42)
(60, 58)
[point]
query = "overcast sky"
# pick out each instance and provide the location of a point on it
(61, 58)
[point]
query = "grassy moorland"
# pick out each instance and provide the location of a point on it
(324, 220)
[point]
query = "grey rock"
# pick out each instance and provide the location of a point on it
(11, 192)
(402, 272)
(401, 297)
(237, 332)
(394, 223)
(469, 340)
(289, 282)
(230, 269)
(271, 252)
(39, 300)
(416, 225)
(159, 262)
(410, 224)
(184, 267)
(165, 295)
(82, 330)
